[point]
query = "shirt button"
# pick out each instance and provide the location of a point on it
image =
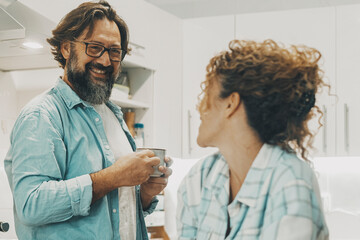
(97, 119)
(107, 147)
(114, 210)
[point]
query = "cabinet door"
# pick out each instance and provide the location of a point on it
(348, 82)
(202, 39)
(310, 27)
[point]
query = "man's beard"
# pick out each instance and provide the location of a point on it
(82, 84)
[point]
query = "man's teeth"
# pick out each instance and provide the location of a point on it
(98, 71)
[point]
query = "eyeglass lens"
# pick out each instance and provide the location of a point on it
(95, 50)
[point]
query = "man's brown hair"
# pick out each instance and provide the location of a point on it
(76, 21)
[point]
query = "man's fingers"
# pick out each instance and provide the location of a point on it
(153, 161)
(157, 180)
(168, 161)
(146, 152)
(167, 171)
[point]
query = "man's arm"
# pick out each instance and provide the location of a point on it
(33, 165)
(101, 183)
(36, 165)
(155, 185)
(129, 170)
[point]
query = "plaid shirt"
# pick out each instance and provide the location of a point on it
(279, 199)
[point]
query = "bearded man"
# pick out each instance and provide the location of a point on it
(71, 164)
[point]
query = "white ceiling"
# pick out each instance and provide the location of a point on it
(205, 8)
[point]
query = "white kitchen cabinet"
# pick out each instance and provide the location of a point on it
(348, 82)
(202, 39)
(310, 27)
(334, 31)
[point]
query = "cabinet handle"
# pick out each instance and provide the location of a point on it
(189, 131)
(325, 129)
(4, 226)
(346, 127)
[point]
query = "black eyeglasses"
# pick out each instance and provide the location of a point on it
(97, 50)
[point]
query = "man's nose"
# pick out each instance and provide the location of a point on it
(104, 59)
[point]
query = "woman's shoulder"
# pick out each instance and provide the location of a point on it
(199, 175)
(291, 171)
(205, 165)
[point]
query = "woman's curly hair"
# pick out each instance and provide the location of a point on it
(277, 85)
(82, 17)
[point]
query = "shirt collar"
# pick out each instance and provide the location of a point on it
(218, 178)
(70, 97)
(258, 177)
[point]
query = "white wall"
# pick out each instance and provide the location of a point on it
(30, 83)
(8, 108)
(8, 113)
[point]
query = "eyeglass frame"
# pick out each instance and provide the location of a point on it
(123, 53)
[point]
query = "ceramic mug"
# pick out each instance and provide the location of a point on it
(160, 153)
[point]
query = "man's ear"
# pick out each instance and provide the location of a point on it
(65, 49)
(233, 103)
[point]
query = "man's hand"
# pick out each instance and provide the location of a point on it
(154, 185)
(135, 168)
(129, 170)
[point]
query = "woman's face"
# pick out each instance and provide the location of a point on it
(212, 121)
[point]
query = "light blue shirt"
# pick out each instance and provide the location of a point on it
(279, 200)
(57, 141)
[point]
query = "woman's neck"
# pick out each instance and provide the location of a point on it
(240, 155)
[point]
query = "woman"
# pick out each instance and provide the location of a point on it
(257, 100)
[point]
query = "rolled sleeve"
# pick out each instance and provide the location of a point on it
(152, 207)
(80, 192)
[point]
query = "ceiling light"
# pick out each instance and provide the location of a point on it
(33, 45)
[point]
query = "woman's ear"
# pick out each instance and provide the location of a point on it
(233, 103)
(65, 49)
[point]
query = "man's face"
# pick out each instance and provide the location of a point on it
(93, 78)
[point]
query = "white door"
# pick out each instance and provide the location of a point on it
(348, 80)
(203, 38)
(310, 27)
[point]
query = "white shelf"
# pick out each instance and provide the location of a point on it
(136, 61)
(121, 98)
(129, 103)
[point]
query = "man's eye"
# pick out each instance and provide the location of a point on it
(116, 51)
(95, 48)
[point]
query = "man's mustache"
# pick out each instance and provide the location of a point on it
(109, 70)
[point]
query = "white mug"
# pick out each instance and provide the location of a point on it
(160, 153)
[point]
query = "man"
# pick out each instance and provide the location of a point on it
(71, 165)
